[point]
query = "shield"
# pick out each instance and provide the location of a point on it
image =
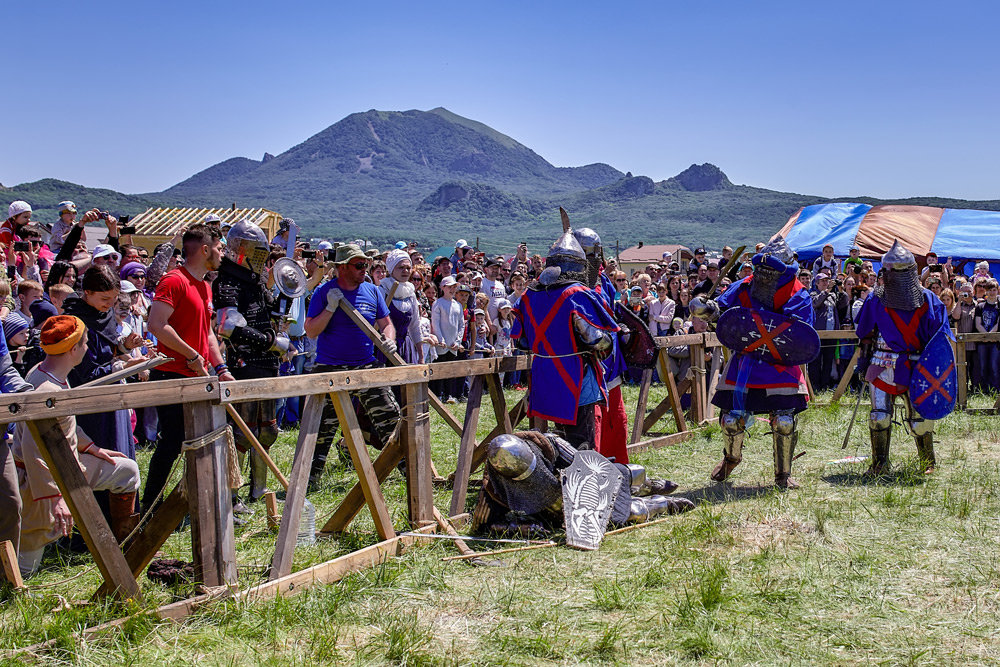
(770, 337)
(640, 350)
(590, 486)
(934, 379)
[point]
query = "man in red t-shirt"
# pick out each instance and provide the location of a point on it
(181, 319)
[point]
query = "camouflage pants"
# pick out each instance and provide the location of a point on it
(381, 414)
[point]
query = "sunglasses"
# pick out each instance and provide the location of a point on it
(360, 266)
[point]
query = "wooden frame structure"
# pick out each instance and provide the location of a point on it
(156, 225)
(206, 497)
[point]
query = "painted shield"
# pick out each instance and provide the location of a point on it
(934, 379)
(590, 486)
(770, 337)
(640, 350)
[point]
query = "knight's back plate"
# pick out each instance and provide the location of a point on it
(934, 379)
(768, 336)
(589, 486)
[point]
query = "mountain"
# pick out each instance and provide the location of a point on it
(434, 176)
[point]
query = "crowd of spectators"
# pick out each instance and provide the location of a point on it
(132, 302)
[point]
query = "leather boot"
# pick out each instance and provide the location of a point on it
(725, 467)
(124, 518)
(925, 452)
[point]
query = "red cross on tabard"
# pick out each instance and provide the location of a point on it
(935, 383)
(540, 329)
(909, 329)
(766, 337)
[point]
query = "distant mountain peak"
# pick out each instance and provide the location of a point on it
(703, 178)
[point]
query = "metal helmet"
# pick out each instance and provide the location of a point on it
(511, 456)
(768, 266)
(591, 244)
(900, 289)
(567, 256)
(247, 245)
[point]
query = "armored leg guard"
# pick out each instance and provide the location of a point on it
(642, 485)
(644, 509)
(785, 434)
(734, 426)
(922, 431)
(258, 476)
(880, 428)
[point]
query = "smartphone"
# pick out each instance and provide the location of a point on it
(331, 255)
(127, 229)
(308, 254)
(22, 246)
(177, 252)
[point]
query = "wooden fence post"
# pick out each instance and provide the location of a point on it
(698, 386)
(419, 485)
(209, 497)
(962, 369)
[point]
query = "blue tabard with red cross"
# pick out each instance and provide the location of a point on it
(904, 332)
(543, 317)
(790, 299)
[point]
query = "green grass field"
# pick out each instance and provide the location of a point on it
(842, 571)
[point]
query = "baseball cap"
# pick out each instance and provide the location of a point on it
(65, 206)
(448, 281)
(479, 311)
(461, 243)
(128, 287)
(104, 250)
(325, 245)
(713, 265)
(400, 245)
(464, 288)
(493, 261)
(699, 251)
(212, 218)
(503, 303)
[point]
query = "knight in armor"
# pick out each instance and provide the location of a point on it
(253, 345)
(522, 493)
(404, 309)
(894, 325)
(568, 330)
(612, 419)
(750, 384)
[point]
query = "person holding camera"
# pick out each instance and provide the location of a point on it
(830, 311)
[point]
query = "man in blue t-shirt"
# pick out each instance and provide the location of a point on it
(341, 345)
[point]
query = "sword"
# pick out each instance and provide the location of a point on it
(854, 415)
(725, 269)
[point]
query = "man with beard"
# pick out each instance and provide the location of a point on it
(753, 385)
(568, 330)
(253, 344)
(181, 319)
(898, 321)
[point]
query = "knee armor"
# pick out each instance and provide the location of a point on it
(733, 423)
(784, 424)
(919, 427)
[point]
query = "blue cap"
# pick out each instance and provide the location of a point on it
(400, 245)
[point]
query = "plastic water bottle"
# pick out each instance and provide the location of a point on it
(307, 525)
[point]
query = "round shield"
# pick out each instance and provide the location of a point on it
(289, 278)
(934, 379)
(771, 337)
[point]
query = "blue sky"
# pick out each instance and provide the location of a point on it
(833, 99)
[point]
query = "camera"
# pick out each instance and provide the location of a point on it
(331, 255)
(104, 215)
(127, 229)
(22, 246)
(308, 254)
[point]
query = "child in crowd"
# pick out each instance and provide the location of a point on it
(988, 321)
(482, 345)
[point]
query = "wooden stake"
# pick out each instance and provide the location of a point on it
(8, 557)
(446, 526)
(640, 406)
(463, 468)
(845, 379)
(419, 482)
(384, 463)
(271, 507)
(291, 516)
(667, 378)
(68, 475)
(255, 443)
(486, 554)
(363, 464)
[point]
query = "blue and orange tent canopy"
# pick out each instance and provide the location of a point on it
(962, 234)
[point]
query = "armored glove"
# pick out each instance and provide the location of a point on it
(333, 298)
(389, 346)
(281, 343)
(706, 309)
